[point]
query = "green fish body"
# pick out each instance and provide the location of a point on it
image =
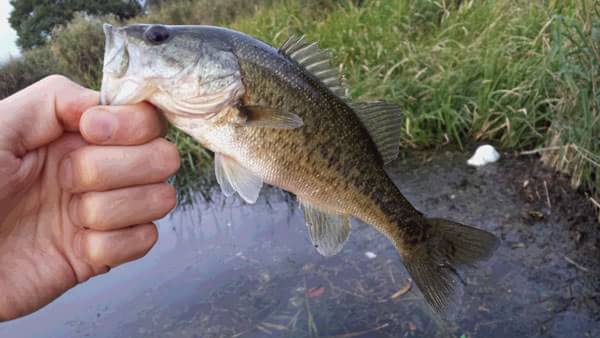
(279, 116)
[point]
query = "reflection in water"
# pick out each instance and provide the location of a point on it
(229, 269)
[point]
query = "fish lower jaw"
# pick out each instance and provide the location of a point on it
(119, 91)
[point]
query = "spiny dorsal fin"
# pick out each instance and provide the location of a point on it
(328, 232)
(384, 122)
(314, 60)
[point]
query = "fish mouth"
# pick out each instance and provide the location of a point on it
(115, 50)
(131, 76)
(114, 43)
(118, 87)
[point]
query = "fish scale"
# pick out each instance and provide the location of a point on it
(279, 116)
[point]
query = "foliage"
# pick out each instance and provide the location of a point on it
(520, 74)
(18, 73)
(468, 72)
(34, 20)
(573, 142)
(79, 49)
(194, 12)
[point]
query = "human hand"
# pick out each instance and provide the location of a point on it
(80, 185)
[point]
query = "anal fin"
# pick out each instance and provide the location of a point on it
(328, 232)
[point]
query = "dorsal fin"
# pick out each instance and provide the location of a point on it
(314, 60)
(384, 123)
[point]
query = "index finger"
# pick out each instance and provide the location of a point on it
(41, 112)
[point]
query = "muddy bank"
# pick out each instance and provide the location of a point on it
(230, 270)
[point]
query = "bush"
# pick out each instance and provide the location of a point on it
(520, 74)
(18, 73)
(79, 49)
(573, 141)
(205, 12)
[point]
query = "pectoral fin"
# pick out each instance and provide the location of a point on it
(232, 177)
(328, 232)
(266, 117)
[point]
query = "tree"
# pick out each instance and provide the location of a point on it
(33, 20)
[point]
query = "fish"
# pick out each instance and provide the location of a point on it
(281, 116)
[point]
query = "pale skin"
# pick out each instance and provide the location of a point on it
(80, 187)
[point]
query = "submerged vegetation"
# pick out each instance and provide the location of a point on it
(520, 74)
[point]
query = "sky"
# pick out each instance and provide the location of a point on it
(8, 37)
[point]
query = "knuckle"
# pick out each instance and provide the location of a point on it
(90, 112)
(56, 80)
(88, 209)
(18, 181)
(169, 155)
(94, 247)
(166, 198)
(85, 172)
(139, 121)
(101, 269)
(144, 128)
(146, 107)
(148, 236)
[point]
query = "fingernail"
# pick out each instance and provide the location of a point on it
(102, 126)
(65, 174)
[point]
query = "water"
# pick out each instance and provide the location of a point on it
(228, 269)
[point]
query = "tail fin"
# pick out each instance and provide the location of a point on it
(450, 245)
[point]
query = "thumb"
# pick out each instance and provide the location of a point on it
(30, 119)
(40, 113)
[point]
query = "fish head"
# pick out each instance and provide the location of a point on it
(184, 70)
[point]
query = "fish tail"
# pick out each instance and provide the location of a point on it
(432, 263)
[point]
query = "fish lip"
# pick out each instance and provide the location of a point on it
(111, 37)
(108, 41)
(114, 47)
(107, 28)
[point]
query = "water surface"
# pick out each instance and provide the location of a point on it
(233, 270)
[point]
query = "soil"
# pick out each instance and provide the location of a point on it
(233, 270)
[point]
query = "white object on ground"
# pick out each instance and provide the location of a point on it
(483, 155)
(370, 255)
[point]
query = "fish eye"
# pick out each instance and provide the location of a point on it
(157, 34)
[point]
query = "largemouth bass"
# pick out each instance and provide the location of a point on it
(280, 116)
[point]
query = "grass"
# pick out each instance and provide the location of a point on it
(573, 144)
(520, 74)
(473, 72)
